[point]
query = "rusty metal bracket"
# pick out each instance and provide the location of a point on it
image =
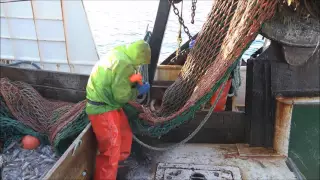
(299, 100)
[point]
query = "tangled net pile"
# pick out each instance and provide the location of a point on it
(230, 28)
(24, 111)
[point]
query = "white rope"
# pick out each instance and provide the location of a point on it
(145, 76)
(144, 72)
(236, 80)
(191, 135)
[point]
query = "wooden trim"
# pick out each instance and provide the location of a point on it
(78, 160)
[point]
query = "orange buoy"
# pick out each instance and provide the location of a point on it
(30, 142)
(223, 99)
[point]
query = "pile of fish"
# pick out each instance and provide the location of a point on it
(17, 163)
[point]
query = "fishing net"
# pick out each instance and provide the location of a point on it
(12, 130)
(230, 28)
(25, 111)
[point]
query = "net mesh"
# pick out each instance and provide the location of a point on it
(230, 28)
(25, 111)
(12, 130)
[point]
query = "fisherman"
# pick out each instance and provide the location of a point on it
(108, 89)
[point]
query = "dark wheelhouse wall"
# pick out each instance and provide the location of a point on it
(269, 76)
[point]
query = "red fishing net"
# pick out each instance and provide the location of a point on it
(227, 33)
(44, 116)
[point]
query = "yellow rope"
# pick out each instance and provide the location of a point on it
(179, 39)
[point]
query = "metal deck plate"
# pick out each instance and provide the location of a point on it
(168, 171)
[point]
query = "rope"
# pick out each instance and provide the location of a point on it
(236, 80)
(144, 72)
(145, 76)
(22, 62)
(315, 49)
(191, 135)
(179, 39)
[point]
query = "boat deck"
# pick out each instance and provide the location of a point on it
(235, 161)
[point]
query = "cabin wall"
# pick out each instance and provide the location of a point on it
(54, 35)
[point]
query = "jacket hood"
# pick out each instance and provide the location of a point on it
(139, 52)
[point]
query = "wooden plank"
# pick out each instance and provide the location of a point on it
(226, 119)
(45, 78)
(68, 95)
(207, 135)
(224, 127)
(270, 107)
(56, 79)
(76, 163)
(162, 84)
(260, 103)
(246, 151)
(64, 86)
(255, 98)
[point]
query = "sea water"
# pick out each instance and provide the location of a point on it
(118, 22)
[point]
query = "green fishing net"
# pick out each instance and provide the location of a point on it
(25, 112)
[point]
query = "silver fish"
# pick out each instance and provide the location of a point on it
(48, 161)
(27, 177)
(26, 164)
(36, 171)
(15, 153)
(34, 178)
(43, 156)
(2, 161)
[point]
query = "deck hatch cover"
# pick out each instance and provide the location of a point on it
(168, 171)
